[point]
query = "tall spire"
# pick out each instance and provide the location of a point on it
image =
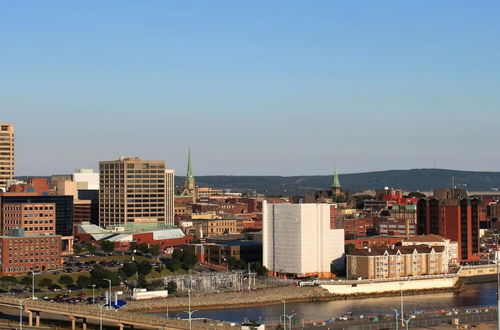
(189, 173)
(336, 182)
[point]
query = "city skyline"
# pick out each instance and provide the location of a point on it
(361, 86)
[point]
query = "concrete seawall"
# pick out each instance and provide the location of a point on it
(391, 286)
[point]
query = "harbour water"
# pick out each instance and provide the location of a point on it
(474, 295)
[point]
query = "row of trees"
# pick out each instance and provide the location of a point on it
(107, 246)
(182, 259)
(241, 264)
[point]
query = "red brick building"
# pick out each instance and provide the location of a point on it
(37, 185)
(34, 218)
(374, 241)
(20, 255)
(456, 219)
(359, 227)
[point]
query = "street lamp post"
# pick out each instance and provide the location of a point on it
(402, 311)
(100, 316)
(109, 297)
(407, 322)
(284, 315)
(93, 294)
(33, 284)
(290, 320)
(397, 321)
(21, 314)
(189, 311)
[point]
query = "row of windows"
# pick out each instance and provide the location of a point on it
(20, 269)
(26, 248)
(36, 241)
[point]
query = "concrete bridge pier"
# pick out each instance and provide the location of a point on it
(37, 319)
(30, 317)
(84, 324)
(73, 322)
(121, 326)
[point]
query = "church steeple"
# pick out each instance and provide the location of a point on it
(336, 182)
(189, 183)
(336, 188)
(189, 174)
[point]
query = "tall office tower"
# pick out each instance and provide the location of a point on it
(131, 190)
(6, 154)
(298, 240)
(169, 197)
(453, 218)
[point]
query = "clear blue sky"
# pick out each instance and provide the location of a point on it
(254, 87)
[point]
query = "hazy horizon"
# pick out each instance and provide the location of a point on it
(96, 170)
(277, 88)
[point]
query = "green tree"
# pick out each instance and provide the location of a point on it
(141, 281)
(10, 280)
(189, 260)
(143, 247)
(129, 269)
(171, 287)
(348, 248)
(155, 249)
(133, 246)
(26, 280)
(259, 269)
(99, 274)
(66, 280)
(46, 282)
(177, 254)
(77, 248)
(175, 265)
(107, 246)
(83, 281)
(90, 247)
(144, 267)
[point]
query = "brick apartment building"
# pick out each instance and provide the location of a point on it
(33, 218)
(396, 261)
(456, 219)
(22, 254)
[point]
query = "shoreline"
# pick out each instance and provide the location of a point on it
(263, 297)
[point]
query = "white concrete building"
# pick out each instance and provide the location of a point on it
(298, 239)
(86, 179)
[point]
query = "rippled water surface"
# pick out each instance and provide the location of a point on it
(474, 295)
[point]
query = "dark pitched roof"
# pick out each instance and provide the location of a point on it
(378, 251)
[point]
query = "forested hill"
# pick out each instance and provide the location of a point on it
(408, 180)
